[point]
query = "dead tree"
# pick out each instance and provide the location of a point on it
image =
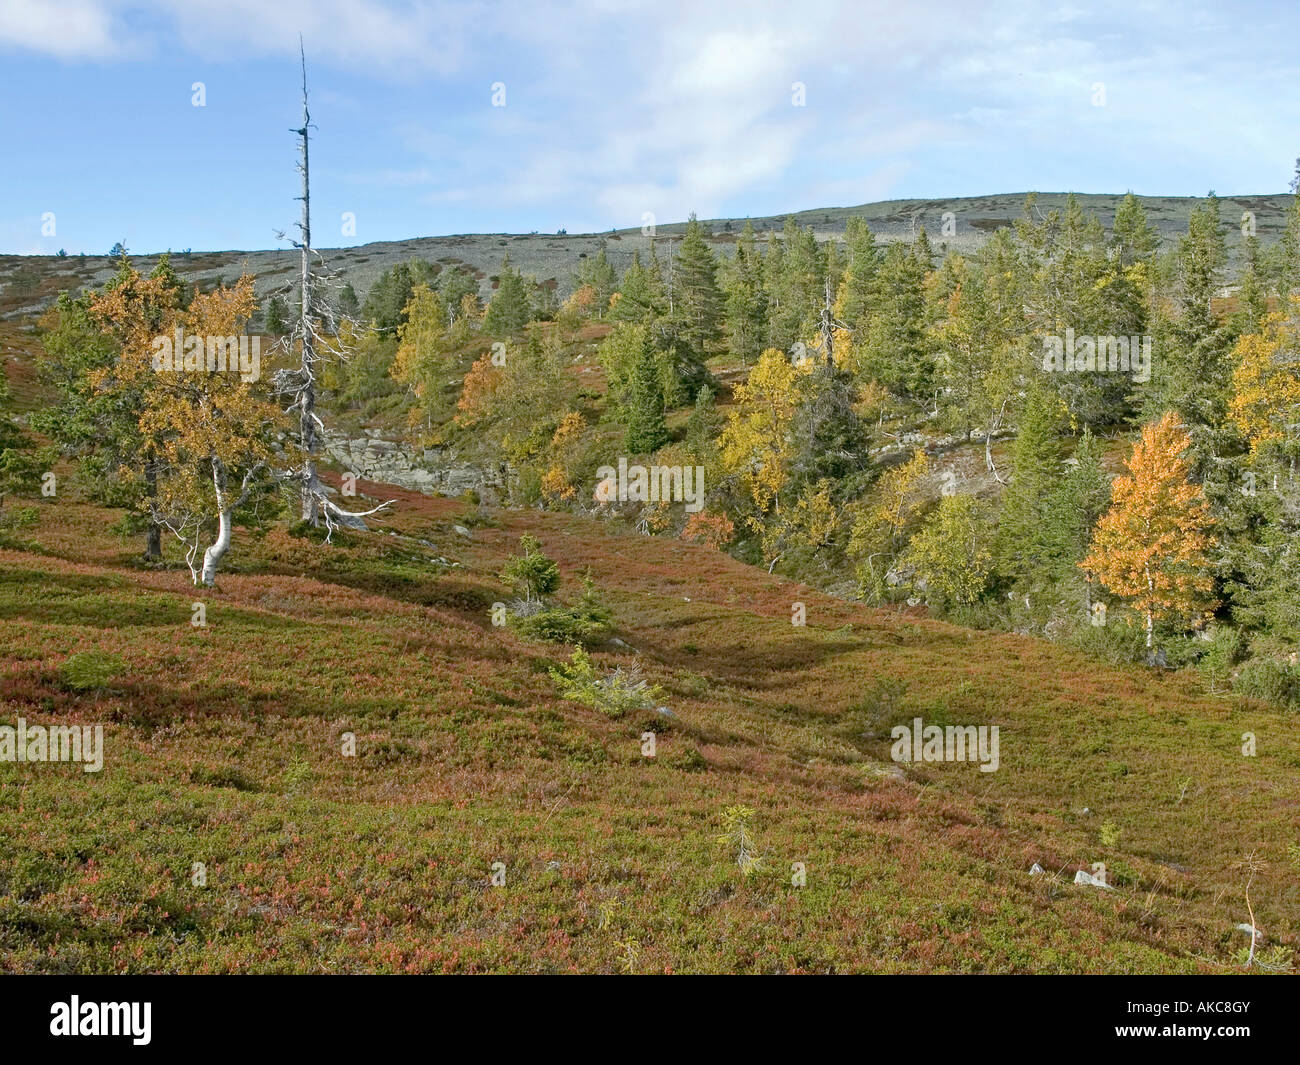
(299, 383)
(827, 323)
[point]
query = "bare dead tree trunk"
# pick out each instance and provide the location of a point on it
(300, 384)
(827, 324)
(307, 391)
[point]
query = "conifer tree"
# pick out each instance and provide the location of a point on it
(746, 300)
(894, 351)
(1192, 370)
(796, 285)
(509, 309)
(1133, 239)
(1075, 506)
(697, 302)
(21, 465)
(643, 409)
(1024, 542)
(600, 275)
(349, 305)
(853, 297)
(701, 438)
(638, 295)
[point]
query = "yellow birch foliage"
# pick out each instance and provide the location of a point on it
(565, 444)
(214, 423)
(419, 362)
(1266, 383)
(878, 525)
(755, 443)
(1153, 546)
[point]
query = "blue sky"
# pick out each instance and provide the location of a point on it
(613, 110)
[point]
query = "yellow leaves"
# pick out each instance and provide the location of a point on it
(565, 445)
(1152, 547)
(1266, 383)
(581, 301)
(952, 552)
(471, 310)
(755, 442)
(202, 405)
(418, 359)
(880, 523)
(816, 516)
(846, 355)
(209, 415)
(555, 484)
(568, 431)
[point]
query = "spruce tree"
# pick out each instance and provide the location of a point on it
(893, 351)
(853, 304)
(275, 317)
(1192, 369)
(638, 294)
(747, 300)
(797, 284)
(1024, 546)
(643, 409)
(697, 302)
(349, 305)
(510, 310)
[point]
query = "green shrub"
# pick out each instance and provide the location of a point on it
(582, 623)
(531, 573)
(1116, 642)
(90, 671)
(562, 624)
(1270, 680)
(615, 694)
(1222, 653)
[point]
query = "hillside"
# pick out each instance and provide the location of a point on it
(28, 283)
(223, 747)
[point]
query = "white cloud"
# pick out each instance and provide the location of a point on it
(70, 29)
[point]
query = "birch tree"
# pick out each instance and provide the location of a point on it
(1153, 546)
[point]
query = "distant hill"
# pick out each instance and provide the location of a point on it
(28, 283)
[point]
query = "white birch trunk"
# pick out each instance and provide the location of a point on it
(217, 551)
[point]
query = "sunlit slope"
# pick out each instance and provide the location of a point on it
(223, 747)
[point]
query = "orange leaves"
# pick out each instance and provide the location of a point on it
(713, 530)
(480, 386)
(1152, 547)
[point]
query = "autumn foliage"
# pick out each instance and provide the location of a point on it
(1152, 547)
